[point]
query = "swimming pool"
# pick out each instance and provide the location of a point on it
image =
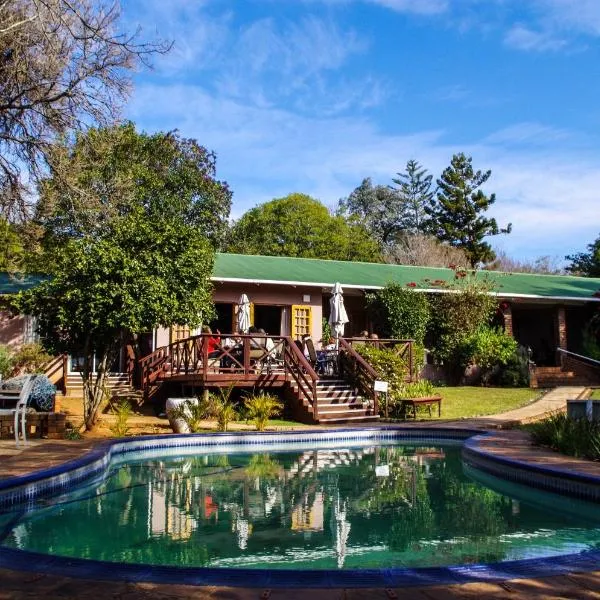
(349, 507)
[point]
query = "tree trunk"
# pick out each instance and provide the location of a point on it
(95, 389)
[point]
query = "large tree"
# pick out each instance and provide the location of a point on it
(457, 212)
(63, 66)
(415, 193)
(422, 250)
(143, 273)
(298, 225)
(105, 173)
(586, 263)
(377, 208)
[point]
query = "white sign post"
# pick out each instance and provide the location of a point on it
(382, 386)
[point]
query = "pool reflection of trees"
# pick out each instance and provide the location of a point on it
(214, 509)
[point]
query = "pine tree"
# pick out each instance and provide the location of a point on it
(415, 193)
(456, 214)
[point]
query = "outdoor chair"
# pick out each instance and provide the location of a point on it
(318, 362)
(20, 410)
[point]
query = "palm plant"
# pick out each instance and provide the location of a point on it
(261, 407)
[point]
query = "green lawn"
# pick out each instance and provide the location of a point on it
(595, 394)
(467, 401)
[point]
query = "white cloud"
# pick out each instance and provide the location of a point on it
(422, 7)
(546, 189)
(521, 37)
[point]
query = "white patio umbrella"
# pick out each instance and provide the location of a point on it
(243, 316)
(337, 311)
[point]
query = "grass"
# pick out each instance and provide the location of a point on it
(595, 394)
(468, 401)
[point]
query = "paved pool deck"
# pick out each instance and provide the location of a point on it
(41, 454)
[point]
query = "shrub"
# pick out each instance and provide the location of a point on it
(122, 410)
(261, 407)
(575, 437)
(30, 358)
(193, 412)
(458, 315)
(325, 331)
(400, 312)
(515, 373)
(487, 348)
(222, 408)
(418, 389)
(390, 367)
(6, 361)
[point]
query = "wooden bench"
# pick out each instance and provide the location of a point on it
(424, 401)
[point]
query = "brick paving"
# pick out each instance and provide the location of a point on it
(511, 443)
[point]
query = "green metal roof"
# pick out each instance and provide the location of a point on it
(11, 284)
(322, 273)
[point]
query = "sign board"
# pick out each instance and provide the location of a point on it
(380, 386)
(382, 471)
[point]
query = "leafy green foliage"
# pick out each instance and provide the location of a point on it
(30, 358)
(298, 225)
(458, 315)
(377, 208)
(122, 411)
(108, 172)
(456, 214)
(12, 250)
(222, 407)
(575, 437)
(586, 263)
(325, 330)
(515, 372)
(194, 411)
(146, 273)
(417, 389)
(389, 366)
(6, 361)
(400, 312)
(414, 190)
(261, 407)
(487, 348)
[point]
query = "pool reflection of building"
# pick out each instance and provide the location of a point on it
(190, 499)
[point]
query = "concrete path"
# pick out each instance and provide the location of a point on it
(552, 401)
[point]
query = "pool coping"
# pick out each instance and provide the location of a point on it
(19, 490)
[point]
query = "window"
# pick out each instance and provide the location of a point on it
(30, 333)
(180, 332)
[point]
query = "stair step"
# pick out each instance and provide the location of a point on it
(352, 418)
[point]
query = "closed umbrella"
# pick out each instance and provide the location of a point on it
(337, 311)
(243, 316)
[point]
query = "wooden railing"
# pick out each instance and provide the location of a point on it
(56, 371)
(302, 373)
(402, 348)
(359, 372)
(234, 358)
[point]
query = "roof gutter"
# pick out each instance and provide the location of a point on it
(380, 287)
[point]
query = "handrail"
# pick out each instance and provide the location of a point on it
(579, 356)
(299, 368)
(362, 374)
(190, 355)
(56, 371)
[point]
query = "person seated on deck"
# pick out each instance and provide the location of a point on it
(213, 342)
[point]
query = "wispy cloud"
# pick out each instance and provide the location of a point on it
(268, 152)
(521, 37)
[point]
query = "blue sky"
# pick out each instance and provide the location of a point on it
(314, 95)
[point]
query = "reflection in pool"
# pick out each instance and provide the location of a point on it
(368, 507)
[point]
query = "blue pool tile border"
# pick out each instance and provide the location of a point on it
(21, 492)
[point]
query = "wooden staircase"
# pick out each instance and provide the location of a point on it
(118, 383)
(337, 402)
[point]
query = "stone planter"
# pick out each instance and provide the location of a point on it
(178, 425)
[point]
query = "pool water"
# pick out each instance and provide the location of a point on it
(345, 508)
